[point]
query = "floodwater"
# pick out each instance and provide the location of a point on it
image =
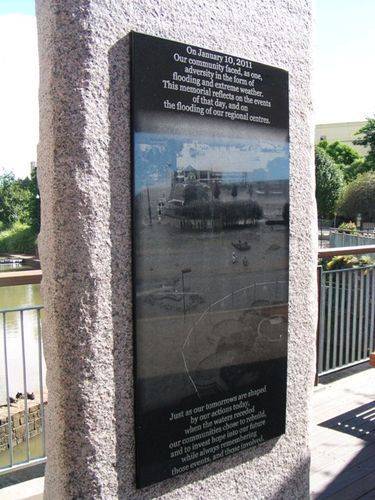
(15, 297)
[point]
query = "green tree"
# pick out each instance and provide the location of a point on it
(8, 213)
(351, 171)
(339, 152)
(367, 138)
(329, 183)
(346, 158)
(14, 200)
(359, 197)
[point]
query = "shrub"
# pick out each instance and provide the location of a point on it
(348, 227)
(359, 197)
(348, 262)
(20, 238)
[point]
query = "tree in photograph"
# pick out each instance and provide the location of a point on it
(358, 198)
(216, 190)
(329, 183)
(286, 212)
(234, 191)
(194, 192)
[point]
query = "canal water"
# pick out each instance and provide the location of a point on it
(10, 298)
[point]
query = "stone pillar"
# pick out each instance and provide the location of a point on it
(83, 171)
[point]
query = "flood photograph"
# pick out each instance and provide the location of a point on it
(211, 253)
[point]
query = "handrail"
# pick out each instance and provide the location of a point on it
(23, 308)
(12, 278)
(357, 250)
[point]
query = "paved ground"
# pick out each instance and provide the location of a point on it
(28, 490)
(343, 436)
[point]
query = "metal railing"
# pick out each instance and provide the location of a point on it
(22, 389)
(339, 238)
(346, 326)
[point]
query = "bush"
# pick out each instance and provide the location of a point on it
(348, 227)
(20, 238)
(358, 198)
(347, 262)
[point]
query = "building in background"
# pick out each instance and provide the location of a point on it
(343, 132)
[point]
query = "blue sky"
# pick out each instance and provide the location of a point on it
(343, 84)
(19, 6)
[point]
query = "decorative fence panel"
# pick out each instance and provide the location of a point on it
(346, 317)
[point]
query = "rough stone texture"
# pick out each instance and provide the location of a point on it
(83, 170)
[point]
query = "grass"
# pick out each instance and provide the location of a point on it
(20, 238)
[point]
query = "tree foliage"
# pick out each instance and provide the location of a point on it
(350, 162)
(216, 190)
(367, 138)
(286, 212)
(329, 183)
(351, 171)
(359, 197)
(15, 199)
(19, 213)
(228, 214)
(194, 192)
(339, 152)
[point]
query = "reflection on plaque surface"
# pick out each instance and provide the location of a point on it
(211, 220)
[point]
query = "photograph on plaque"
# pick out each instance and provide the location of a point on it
(210, 138)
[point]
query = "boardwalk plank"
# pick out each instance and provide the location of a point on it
(343, 458)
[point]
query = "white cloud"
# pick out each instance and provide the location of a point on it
(18, 93)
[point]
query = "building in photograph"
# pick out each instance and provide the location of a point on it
(190, 173)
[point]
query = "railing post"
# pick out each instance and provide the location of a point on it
(319, 283)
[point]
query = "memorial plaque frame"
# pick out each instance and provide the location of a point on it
(210, 153)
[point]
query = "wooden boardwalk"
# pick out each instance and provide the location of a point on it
(343, 436)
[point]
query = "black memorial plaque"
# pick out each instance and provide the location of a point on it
(211, 224)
